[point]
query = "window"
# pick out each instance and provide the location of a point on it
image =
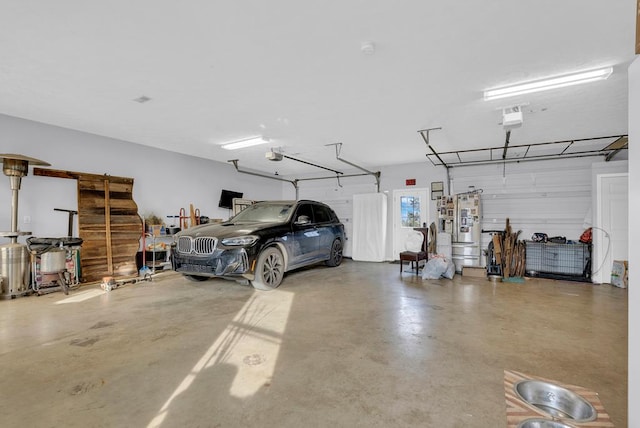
(322, 214)
(263, 213)
(304, 210)
(410, 211)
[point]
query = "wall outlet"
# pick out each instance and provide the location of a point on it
(26, 219)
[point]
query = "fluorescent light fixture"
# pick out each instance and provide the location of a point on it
(253, 141)
(552, 83)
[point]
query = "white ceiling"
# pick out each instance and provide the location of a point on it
(293, 71)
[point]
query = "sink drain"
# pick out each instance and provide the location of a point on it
(555, 400)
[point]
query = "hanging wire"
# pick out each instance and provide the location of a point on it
(606, 254)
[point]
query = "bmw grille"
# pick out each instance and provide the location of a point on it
(202, 245)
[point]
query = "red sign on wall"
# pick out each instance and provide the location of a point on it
(410, 181)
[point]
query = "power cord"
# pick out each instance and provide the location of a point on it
(606, 254)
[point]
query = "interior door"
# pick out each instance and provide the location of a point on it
(613, 216)
(410, 209)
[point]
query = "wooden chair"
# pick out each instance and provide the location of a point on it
(416, 256)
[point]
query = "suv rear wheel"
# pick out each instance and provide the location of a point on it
(335, 256)
(269, 269)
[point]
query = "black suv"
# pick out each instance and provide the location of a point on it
(261, 243)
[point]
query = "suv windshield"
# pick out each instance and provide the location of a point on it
(264, 213)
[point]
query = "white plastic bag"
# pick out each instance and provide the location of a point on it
(451, 269)
(434, 268)
(438, 267)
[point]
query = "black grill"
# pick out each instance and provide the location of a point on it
(187, 267)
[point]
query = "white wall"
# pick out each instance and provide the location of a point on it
(164, 181)
(634, 253)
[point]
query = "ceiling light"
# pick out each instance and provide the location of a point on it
(253, 141)
(552, 83)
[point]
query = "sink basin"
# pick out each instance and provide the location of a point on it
(541, 423)
(555, 400)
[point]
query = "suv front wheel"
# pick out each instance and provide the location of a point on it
(269, 269)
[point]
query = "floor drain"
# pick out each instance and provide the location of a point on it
(253, 360)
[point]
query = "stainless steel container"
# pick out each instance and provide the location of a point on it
(15, 270)
(53, 261)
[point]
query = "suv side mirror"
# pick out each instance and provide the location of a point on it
(303, 219)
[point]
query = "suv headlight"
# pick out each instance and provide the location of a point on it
(240, 240)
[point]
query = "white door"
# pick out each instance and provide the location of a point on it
(410, 209)
(613, 217)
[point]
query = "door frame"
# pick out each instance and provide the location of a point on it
(424, 208)
(599, 247)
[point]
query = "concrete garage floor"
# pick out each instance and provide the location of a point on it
(357, 345)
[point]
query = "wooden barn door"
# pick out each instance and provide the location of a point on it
(109, 224)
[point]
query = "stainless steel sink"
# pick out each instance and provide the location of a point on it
(541, 423)
(555, 400)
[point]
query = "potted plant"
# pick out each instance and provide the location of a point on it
(153, 224)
